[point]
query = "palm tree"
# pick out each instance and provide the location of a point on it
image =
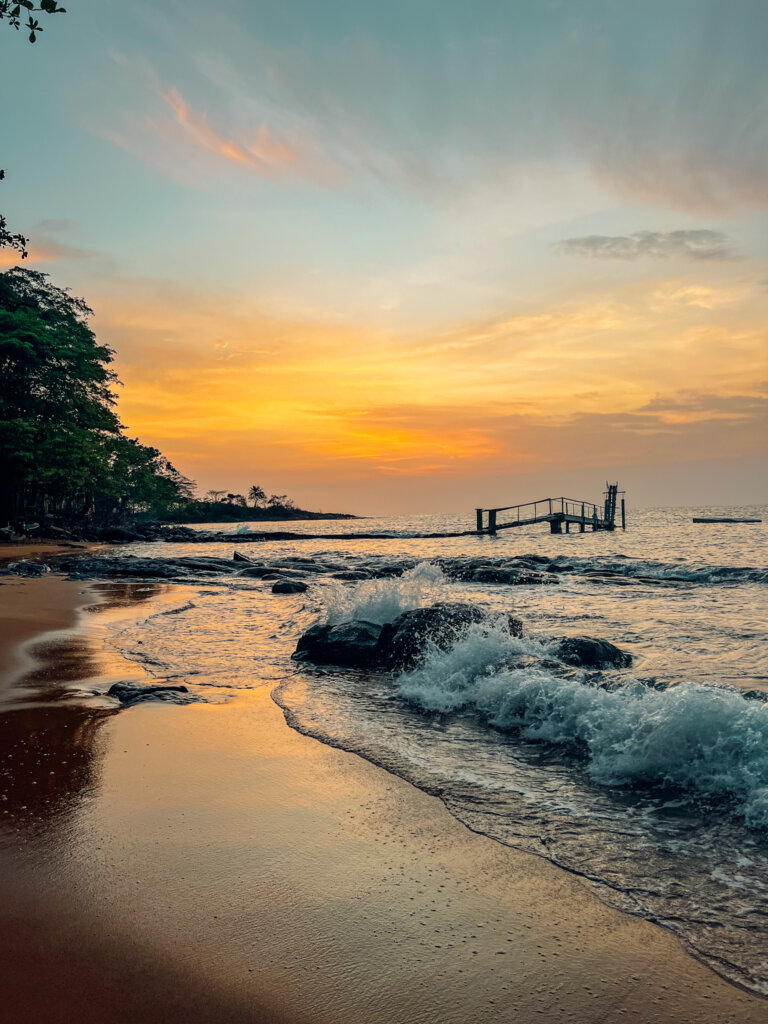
(257, 495)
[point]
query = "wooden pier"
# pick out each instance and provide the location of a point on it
(558, 512)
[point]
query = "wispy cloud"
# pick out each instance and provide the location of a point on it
(700, 405)
(701, 244)
(261, 151)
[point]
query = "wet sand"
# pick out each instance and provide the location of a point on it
(206, 862)
(30, 608)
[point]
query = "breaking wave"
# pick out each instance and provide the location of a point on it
(709, 742)
(382, 601)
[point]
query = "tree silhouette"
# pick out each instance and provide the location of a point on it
(62, 448)
(12, 12)
(257, 495)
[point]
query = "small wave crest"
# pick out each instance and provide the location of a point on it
(672, 572)
(710, 742)
(381, 601)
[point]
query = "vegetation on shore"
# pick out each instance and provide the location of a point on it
(65, 460)
(226, 507)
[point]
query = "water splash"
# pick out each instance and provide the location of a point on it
(707, 741)
(382, 601)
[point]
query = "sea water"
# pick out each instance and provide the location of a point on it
(649, 782)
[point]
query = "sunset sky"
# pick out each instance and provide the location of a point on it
(413, 256)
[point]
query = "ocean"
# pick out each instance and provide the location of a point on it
(649, 782)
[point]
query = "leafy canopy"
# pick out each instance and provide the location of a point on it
(62, 446)
(14, 11)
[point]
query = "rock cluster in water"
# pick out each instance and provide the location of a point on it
(511, 572)
(397, 645)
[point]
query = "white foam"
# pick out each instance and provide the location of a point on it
(703, 739)
(382, 601)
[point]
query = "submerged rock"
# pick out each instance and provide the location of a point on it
(129, 693)
(289, 587)
(25, 568)
(512, 577)
(588, 652)
(351, 644)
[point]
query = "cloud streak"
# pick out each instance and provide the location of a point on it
(263, 153)
(701, 244)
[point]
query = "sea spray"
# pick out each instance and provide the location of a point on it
(711, 742)
(382, 601)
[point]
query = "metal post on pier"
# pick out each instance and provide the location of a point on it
(623, 515)
(491, 520)
(479, 520)
(582, 524)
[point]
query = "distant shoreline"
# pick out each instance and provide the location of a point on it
(237, 514)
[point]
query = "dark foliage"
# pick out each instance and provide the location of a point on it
(63, 453)
(20, 13)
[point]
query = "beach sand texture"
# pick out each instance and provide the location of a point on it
(208, 863)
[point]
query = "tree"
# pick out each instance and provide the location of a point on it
(12, 11)
(257, 495)
(62, 447)
(280, 501)
(215, 495)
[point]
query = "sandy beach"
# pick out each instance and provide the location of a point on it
(208, 863)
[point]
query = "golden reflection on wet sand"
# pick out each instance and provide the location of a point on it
(50, 715)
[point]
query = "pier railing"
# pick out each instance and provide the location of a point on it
(556, 511)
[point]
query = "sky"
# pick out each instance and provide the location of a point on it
(416, 256)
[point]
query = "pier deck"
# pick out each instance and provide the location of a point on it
(558, 512)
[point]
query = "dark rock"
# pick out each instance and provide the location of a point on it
(389, 570)
(237, 557)
(398, 645)
(129, 693)
(587, 652)
(127, 566)
(119, 533)
(289, 587)
(758, 695)
(351, 644)
(352, 574)
(405, 641)
(204, 563)
(257, 571)
(512, 577)
(25, 568)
